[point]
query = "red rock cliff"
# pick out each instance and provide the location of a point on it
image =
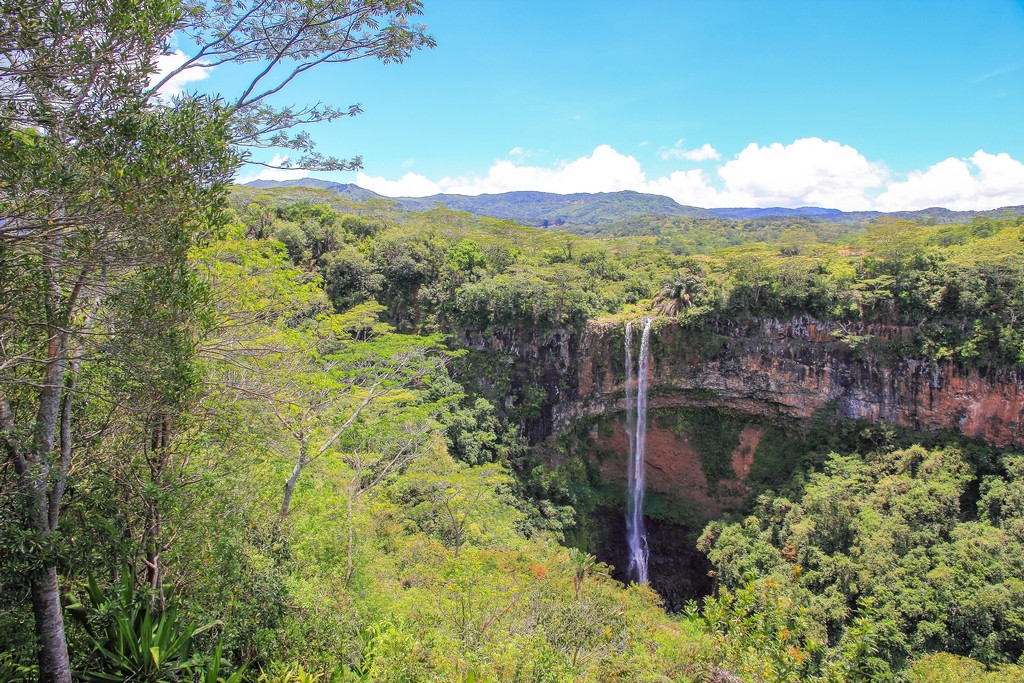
(794, 369)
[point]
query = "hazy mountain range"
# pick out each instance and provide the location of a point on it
(549, 209)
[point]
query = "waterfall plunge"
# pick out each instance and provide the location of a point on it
(636, 436)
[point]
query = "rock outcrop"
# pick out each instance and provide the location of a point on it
(796, 369)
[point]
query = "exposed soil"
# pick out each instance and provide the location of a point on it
(673, 468)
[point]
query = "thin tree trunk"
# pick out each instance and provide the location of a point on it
(54, 665)
(159, 459)
(65, 453)
(289, 483)
(351, 539)
(153, 559)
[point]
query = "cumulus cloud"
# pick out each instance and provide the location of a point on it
(165, 64)
(703, 153)
(690, 188)
(276, 173)
(806, 172)
(409, 185)
(982, 182)
(605, 170)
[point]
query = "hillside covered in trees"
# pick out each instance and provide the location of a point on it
(283, 435)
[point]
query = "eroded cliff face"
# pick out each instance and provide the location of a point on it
(525, 373)
(796, 369)
(763, 373)
(673, 467)
(728, 397)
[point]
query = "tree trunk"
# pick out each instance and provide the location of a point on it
(351, 539)
(54, 665)
(160, 461)
(33, 470)
(154, 569)
(289, 483)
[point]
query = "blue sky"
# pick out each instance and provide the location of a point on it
(849, 104)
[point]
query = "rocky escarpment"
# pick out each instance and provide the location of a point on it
(725, 399)
(796, 369)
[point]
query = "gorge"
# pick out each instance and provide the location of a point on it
(730, 402)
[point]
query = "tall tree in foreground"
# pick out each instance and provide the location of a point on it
(99, 183)
(93, 186)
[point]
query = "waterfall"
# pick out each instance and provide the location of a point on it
(636, 438)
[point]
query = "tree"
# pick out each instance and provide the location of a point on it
(678, 292)
(894, 241)
(99, 182)
(93, 186)
(383, 449)
(455, 502)
(880, 558)
(287, 38)
(319, 378)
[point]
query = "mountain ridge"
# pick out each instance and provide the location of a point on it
(549, 209)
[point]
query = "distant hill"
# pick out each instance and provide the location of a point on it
(347, 190)
(933, 215)
(776, 212)
(528, 208)
(548, 209)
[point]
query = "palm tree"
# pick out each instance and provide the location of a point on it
(678, 292)
(583, 564)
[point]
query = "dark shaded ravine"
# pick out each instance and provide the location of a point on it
(681, 497)
(678, 571)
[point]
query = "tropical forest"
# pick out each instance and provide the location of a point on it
(297, 431)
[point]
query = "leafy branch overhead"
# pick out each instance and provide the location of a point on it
(284, 39)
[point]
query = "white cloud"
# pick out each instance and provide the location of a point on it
(703, 153)
(410, 185)
(273, 173)
(690, 188)
(983, 182)
(605, 170)
(519, 154)
(165, 64)
(806, 172)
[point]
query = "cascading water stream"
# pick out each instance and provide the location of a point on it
(636, 437)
